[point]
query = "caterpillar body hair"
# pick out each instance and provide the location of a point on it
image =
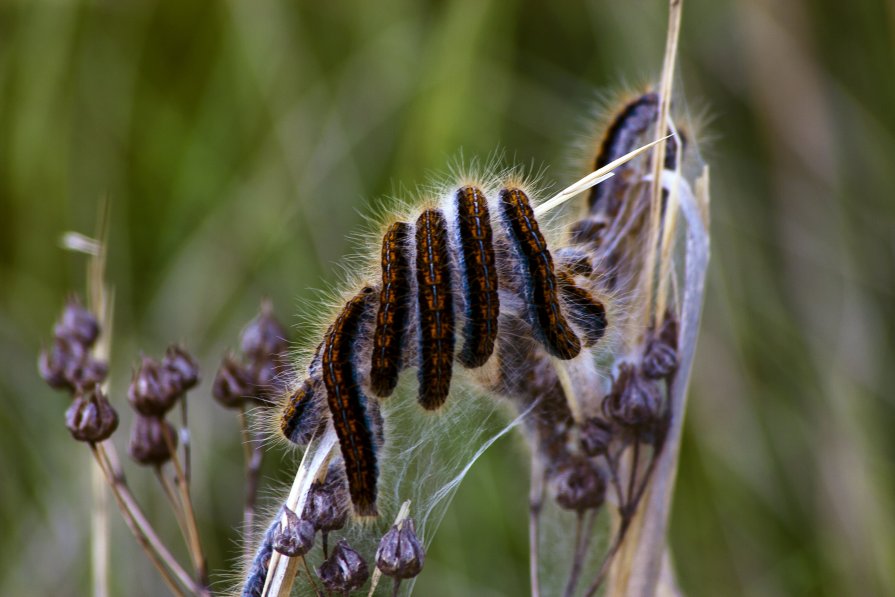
(467, 274)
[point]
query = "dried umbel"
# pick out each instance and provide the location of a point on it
(344, 571)
(148, 443)
(264, 338)
(231, 384)
(595, 436)
(77, 324)
(296, 537)
(181, 368)
(401, 554)
(660, 357)
(154, 389)
(579, 485)
(91, 418)
(327, 507)
(67, 365)
(635, 402)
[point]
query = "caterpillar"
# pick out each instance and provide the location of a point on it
(448, 280)
(465, 272)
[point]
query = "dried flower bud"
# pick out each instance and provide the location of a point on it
(296, 538)
(579, 485)
(231, 384)
(147, 443)
(596, 433)
(267, 381)
(401, 554)
(635, 402)
(77, 324)
(182, 367)
(327, 507)
(660, 357)
(264, 338)
(91, 418)
(60, 364)
(344, 571)
(153, 390)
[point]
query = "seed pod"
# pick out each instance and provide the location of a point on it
(231, 384)
(267, 385)
(635, 402)
(327, 507)
(660, 356)
(77, 324)
(91, 418)
(344, 571)
(60, 364)
(578, 485)
(182, 367)
(264, 338)
(147, 442)
(596, 434)
(401, 554)
(296, 538)
(153, 390)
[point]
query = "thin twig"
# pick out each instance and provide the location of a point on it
(171, 496)
(535, 501)
(140, 526)
(185, 439)
(189, 516)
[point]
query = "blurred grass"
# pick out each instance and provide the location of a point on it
(239, 142)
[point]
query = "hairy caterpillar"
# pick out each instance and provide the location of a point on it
(448, 282)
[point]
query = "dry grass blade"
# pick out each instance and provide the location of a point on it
(282, 569)
(638, 566)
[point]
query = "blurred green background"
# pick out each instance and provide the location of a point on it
(239, 142)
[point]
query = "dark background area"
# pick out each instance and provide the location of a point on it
(239, 143)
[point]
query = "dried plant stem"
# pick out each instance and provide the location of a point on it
(185, 439)
(253, 457)
(99, 533)
(171, 496)
(535, 502)
(140, 526)
(281, 569)
(192, 530)
(638, 568)
(675, 8)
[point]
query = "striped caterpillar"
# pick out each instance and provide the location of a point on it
(448, 280)
(469, 272)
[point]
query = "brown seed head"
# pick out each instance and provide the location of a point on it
(231, 384)
(596, 433)
(327, 505)
(182, 368)
(296, 538)
(401, 554)
(77, 324)
(264, 338)
(578, 485)
(344, 571)
(147, 442)
(635, 401)
(153, 390)
(660, 356)
(91, 418)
